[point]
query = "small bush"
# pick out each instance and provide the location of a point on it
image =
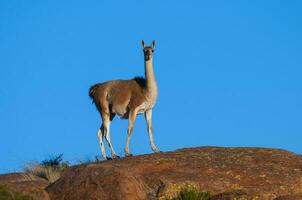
(184, 191)
(49, 169)
(55, 161)
(7, 194)
(192, 194)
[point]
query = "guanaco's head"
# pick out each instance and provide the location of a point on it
(148, 50)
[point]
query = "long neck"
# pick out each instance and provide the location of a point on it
(149, 75)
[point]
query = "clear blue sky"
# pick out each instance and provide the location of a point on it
(229, 74)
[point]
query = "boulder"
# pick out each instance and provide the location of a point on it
(227, 173)
(25, 184)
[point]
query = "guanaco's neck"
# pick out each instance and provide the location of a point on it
(149, 75)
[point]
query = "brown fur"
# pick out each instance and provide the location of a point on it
(109, 94)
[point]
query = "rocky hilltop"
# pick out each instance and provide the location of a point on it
(227, 173)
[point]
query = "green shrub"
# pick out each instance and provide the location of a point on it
(53, 161)
(7, 194)
(184, 191)
(192, 194)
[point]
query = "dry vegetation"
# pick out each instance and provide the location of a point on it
(184, 192)
(49, 169)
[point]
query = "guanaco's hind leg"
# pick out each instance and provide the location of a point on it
(106, 124)
(104, 131)
(132, 116)
(107, 135)
(100, 135)
(148, 117)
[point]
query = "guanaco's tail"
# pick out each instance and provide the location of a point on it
(93, 94)
(92, 91)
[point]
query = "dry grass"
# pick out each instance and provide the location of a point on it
(49, 169)
(47, 172)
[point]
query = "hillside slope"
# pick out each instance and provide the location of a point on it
(24, 184)
(225, 172)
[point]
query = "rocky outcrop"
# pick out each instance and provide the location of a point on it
(290, 197)
(25, 184)
(227, 173)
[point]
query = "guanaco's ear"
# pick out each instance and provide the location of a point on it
(143, 43)
(153, 44)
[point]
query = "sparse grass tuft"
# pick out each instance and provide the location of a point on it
(49, 169)
(7, 194)
(192, 194)
(90, 160)
(184, 192)
(55, 161)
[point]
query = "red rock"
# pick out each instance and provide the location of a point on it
(26, 184)
(255, 172)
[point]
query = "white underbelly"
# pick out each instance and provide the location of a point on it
(145, 106)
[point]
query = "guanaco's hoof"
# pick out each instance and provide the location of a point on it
(129, 155)
(116, 156)
(109, 158)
